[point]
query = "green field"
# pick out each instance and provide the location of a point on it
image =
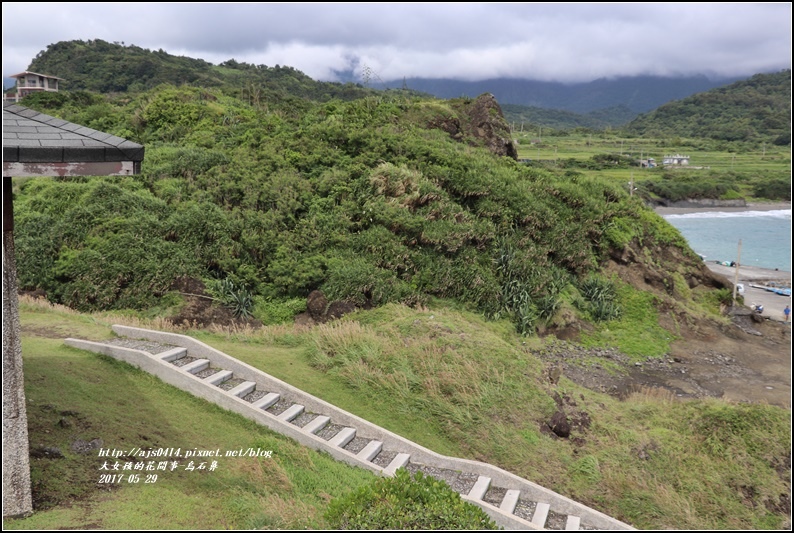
(744, 164)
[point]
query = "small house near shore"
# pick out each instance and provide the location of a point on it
(676, 159)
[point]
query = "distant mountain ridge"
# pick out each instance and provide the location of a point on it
(757, 108)
(638, 93)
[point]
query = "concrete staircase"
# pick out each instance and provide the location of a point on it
(513, 502)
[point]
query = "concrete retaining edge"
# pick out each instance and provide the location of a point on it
(174, 375)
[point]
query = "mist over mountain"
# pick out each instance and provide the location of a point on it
(639, 93)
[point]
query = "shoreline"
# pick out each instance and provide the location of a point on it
(747, 274)
(767, 206)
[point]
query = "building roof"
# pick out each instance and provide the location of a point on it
(35, 74)
(33, 138)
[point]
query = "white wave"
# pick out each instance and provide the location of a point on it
(777, 213)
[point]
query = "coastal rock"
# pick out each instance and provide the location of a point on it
(481, 121)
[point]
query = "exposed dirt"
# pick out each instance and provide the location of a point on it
(748, 360)
(201, 311)
(745, 362)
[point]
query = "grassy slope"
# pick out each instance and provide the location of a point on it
(648, 461)
(127, 408)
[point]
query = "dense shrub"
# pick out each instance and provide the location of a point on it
(405, 502)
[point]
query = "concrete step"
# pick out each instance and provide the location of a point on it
(219, 377)
(243, 388)
(573, 523)
(196, 366)
(480, 488)
(266, 401)
(398, 462)
(317, 424)
(510, 500)
(369, 452)
(172, 354)
(292, 412)
(343, 437)
(541, 513)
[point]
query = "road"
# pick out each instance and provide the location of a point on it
(773, 303)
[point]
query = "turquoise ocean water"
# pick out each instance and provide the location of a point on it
(765, 236)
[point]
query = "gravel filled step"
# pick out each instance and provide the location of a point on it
(356, 444)
(254, 395)
(182, 361)
(267, 400)
(196, 366)
(460, 482)
(525, 509)
(343, 437)
(207, 372)
(279, 407)
(219, 377)
(495, 495)
(303, 419)
(317, 424)
(556, 521)
(384, 458)
(399, 461)
(231, 383)
(329, 431)
(291, 412)
(369, 451)
(243, 388)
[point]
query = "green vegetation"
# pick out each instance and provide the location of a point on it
(720, 170)
(266, 186)
(758, 108)
(406, 503)
(104, 67)
(75, 396)
(370, 201)
(466, 387)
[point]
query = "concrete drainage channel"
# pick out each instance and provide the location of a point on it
(191, 365)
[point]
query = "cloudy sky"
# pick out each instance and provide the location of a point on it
(467, 41)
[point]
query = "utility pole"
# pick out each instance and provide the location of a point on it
(736, 274)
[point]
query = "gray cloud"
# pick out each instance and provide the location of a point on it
(562, 42)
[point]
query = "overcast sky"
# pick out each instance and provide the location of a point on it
(467, 41)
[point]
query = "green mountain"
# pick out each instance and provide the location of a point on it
(639, 93)
(526, 118)
(758, 108)
(104, 67)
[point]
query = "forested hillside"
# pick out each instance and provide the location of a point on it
(758, 108)
(377, 200)
(532, 117)
(99, 66)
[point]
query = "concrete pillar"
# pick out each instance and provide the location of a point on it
(17, 499)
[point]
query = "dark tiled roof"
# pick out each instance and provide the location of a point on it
(33, 137)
